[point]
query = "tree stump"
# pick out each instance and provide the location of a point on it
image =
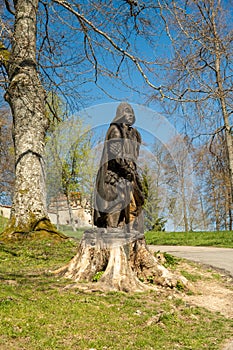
(121, 259)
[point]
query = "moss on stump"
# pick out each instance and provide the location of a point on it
(41, 229)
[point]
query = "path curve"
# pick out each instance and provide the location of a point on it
(220, 258)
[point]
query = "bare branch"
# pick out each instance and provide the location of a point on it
(46, 37)
(87, 39)
(111, 41)
(216, 132)
(8, 7)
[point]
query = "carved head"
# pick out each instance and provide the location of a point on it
(124, 114)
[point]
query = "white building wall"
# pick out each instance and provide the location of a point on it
(5, 211)
(82, 216)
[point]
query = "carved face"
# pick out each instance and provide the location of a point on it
(125, 114)
(129, 115)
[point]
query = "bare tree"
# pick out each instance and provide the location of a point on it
(68, 158)
(201, 64)
(213, 177)
(152, 216)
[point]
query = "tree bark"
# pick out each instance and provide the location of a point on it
(222, 99)
(122, 260)
(26, 97)
(185, 216)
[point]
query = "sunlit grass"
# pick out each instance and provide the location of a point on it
(215, 239)
(3, 222)
(38, 312)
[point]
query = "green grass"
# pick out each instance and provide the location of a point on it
(67, 230)
(3, 222)
(38, 312)
(214, 239)
(222, 239)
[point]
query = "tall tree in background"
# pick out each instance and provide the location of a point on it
(201, 65)
(151, 208)
(69, 163)
(178, 171)
(214, 181)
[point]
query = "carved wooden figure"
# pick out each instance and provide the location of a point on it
(116, 249)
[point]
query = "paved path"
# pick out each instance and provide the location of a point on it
(221, 258)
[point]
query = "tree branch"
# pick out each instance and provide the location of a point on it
(217, 131)
(8, 7)
(111, 41)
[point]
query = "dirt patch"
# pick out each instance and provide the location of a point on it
(229, 346)
(213, 297)
(213, 290)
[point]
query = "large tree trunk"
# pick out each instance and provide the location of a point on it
(225, 114)
(26, 97)
(121, 260)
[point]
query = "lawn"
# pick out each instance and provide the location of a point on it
(222, 239)
(3, 222)
(214, 239)
(38, 311)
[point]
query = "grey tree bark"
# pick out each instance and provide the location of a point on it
(26, 97)
(225, 114)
